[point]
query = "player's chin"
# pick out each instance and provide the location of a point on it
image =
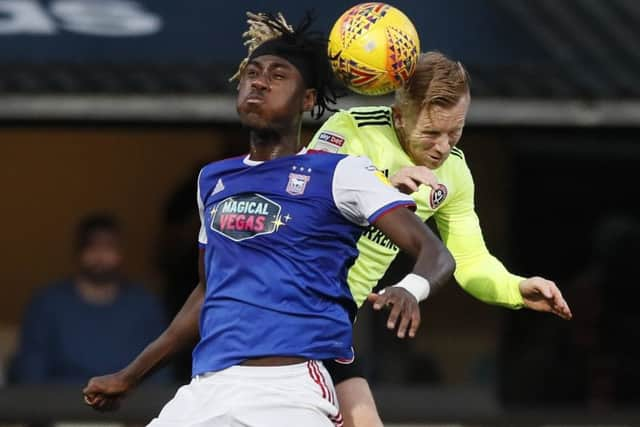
(254, 120)
(433, 162)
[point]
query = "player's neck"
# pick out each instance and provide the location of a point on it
(269, 145)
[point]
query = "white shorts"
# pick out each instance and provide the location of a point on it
(255, 396)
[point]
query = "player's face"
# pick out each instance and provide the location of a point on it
(101, 258)
(431, 133)
(272, 94)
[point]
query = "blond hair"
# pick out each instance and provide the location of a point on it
(437, 81)
(261, 29)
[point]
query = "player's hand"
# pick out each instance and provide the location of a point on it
(543, 295)
(404, 309)
(409, 178)
(106, 392)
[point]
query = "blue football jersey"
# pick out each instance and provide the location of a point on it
(279, 237)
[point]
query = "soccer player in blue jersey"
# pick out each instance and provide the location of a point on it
(278, 234)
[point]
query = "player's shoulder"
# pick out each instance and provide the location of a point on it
(457, 152)
(323, 158)
(223, 165)
(371, 116)
(337, 159)
(358, 117)
(456, 159)
(456, 168)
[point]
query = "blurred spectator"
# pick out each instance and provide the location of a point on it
(592, 360)
(92, 323)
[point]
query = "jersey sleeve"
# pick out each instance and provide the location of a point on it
(362, 193)
(477, 271)
(338, 135)
(202, 234)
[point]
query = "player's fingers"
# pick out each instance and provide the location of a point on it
(546, 289)
(97, 402)
(89, 399)
(564, 310)
(410, 184)
(559, 306)
(405, 320)
(106, 404)
(392, 320)
(558, 300)
(415, 323)
(425, 176)
(89, 389)
(379, 301)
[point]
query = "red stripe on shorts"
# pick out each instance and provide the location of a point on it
(316, 379)
(332, 398)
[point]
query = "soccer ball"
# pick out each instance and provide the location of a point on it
(373, 48)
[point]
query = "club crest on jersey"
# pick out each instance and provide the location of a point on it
(329, 141)
(438, 195)
(297, 184)
(245, 216)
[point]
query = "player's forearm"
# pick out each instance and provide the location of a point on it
(485, 278)
(182, 333)
(433, 260)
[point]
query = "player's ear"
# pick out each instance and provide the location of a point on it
(309, 100)
(398, 120)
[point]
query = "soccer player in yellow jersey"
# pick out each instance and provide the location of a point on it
(414, 143)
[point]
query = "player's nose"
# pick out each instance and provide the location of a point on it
(442, 145)
(260, 83)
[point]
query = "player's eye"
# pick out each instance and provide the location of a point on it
(251, 72)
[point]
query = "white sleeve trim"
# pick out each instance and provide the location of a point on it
(361, 194)
(202, 235)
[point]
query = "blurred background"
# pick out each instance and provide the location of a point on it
(109, 107)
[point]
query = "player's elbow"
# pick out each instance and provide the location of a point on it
(448, 262)
(442, 261)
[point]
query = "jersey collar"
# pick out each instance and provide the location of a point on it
(250, 162)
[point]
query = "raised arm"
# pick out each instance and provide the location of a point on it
(105, 392)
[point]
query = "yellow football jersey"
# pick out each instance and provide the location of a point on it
(369, 131)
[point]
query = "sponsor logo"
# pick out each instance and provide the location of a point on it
(331, 138)
(297, 184)
(245, 216)
(437, 196)
(218, 188)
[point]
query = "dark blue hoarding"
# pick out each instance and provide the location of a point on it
(208, 31)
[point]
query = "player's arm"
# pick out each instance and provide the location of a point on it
(480, 273)
(433, 268)
(365, 197)
(105, 392)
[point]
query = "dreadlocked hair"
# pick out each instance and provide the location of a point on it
(307, 50)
